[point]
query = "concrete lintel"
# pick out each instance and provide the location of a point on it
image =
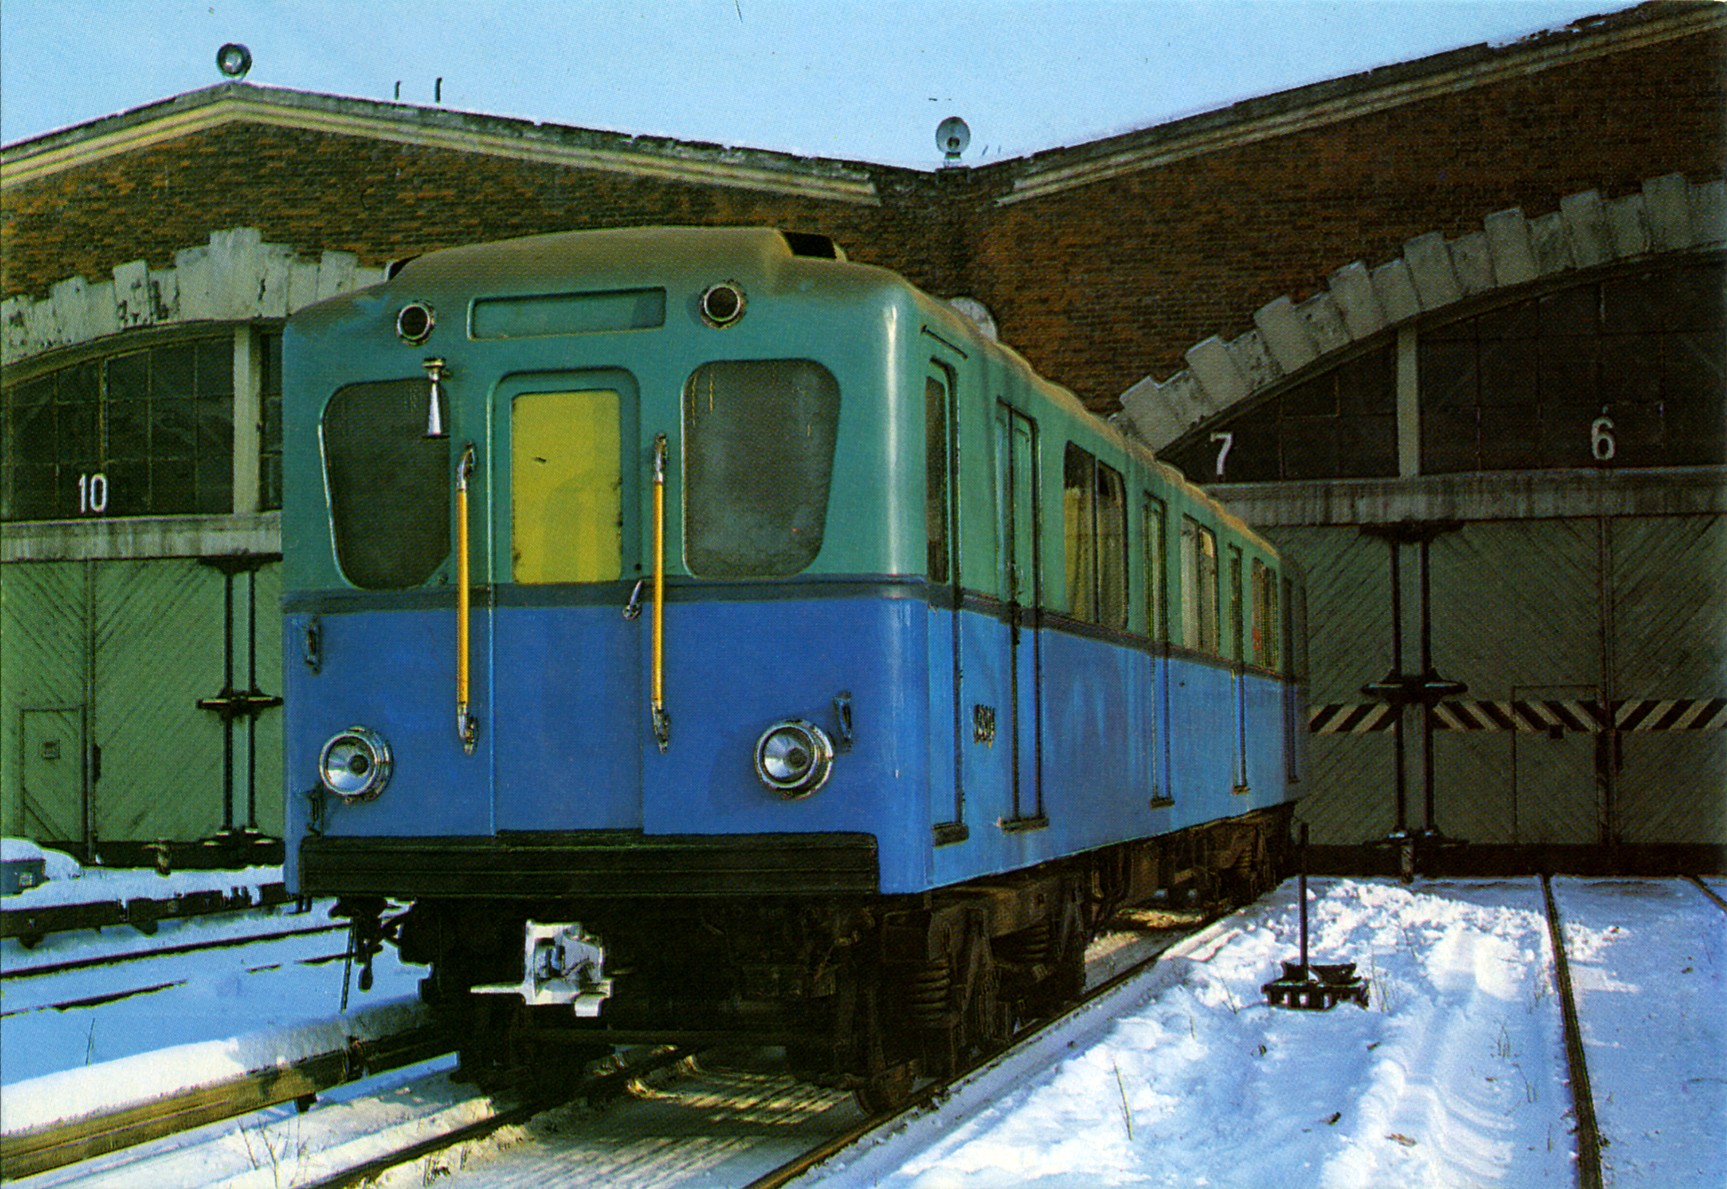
(302, 284)
(1508, 241)
(13, 335)
(1254, 361)
(277, 267)
(164, 295)
(1285, 334)
(1550, 243)
(335, 273)
(1626, 226)
(1163, 412)
(1709, 213)
(1324, 321)
(234, 267)
(1221, 382)
(1352, 288)
(1585, 218)
(1472, 259)
(1430, 266)
(142, 537)
(71, 311)
(1667, 205)
(132, 294)
(1509, 495)
(192, 275)
(101, 318)
(1396, 291)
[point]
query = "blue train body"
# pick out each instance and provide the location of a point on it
(943, 669)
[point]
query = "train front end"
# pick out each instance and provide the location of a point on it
(591, 605)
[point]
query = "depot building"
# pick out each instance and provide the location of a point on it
(1452, 332)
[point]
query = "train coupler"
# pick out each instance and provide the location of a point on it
(561, 964)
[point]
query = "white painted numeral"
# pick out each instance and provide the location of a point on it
(1601, 443)
(1227, 440)
(92, 494)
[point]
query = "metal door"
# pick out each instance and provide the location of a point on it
(52, 771)
(564, 666)
(1554, 792)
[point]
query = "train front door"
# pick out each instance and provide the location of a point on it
(565, 671)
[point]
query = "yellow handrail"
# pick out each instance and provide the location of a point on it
(467, 727)
(661, 720)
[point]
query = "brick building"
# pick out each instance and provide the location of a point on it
(1460, 316)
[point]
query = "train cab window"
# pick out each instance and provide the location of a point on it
(566, 507)
(759, 441)
(1198, 586)
(1266, 616)
(389, 484)
(1156, 613)
(1095, 518)
(935, 444)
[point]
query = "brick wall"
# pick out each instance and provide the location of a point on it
(1098, 285)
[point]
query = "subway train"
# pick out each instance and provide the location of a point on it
(694, 635)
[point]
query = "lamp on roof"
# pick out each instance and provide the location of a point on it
(234, 60)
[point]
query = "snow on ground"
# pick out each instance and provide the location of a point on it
(1649, 971)
(222, 1018)
(1454, 1076)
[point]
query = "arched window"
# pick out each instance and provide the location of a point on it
(1626, 369)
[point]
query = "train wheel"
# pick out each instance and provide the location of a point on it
(888, 1090)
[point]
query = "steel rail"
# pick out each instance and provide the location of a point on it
(1709, 892)
(800, 1164)
(115, 996)
(1582, 1096)
(30, 924)
(606, 1081)
(167, 951)
(25, 1153)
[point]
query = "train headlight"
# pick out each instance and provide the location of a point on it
(794, 758)
(355, 764)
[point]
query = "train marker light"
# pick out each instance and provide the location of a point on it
(723, 304)
(794, 758)
(414, 323)
(355, 764)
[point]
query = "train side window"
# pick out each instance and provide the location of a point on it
(936, 510)
(1237, 636)
(1156, 613)
(389, 484)
(759, 440)
(1079, 518)
(1198, 586)
(1111, 547)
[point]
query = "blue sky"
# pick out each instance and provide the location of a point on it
(836, 78)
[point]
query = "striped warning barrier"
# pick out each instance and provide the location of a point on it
(1532, 717)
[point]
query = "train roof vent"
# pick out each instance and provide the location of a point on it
(809, 243)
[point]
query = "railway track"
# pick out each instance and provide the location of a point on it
(16, 973)
(456, 1121)
(23, 998)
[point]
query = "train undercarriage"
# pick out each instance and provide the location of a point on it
(870, 993)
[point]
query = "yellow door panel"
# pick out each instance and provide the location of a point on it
(567, 522)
